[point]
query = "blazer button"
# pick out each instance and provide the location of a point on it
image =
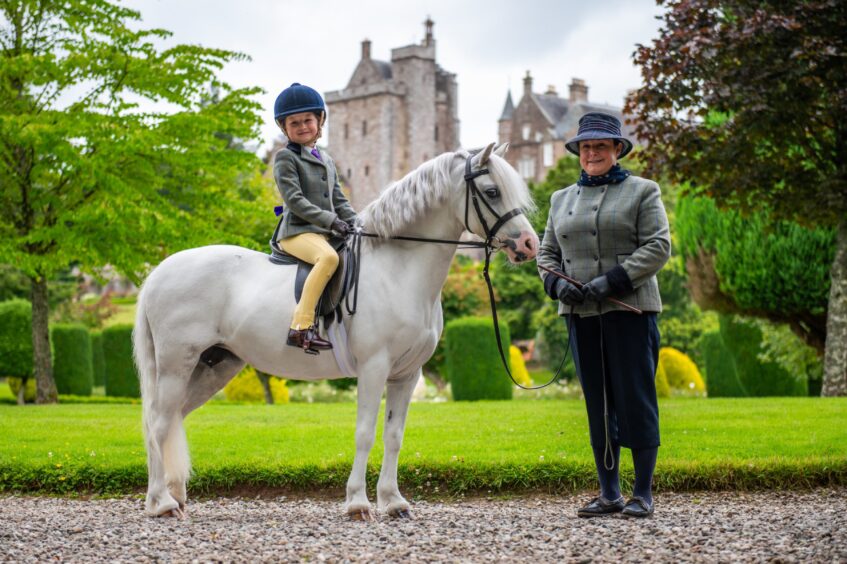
(595, 208)
(568, 261)
(603, 189)
(323, 177)
(596, 258)
(564, 236)
(326, 194)
(594, 232)
(570, 213)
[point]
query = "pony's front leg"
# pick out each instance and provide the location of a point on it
(371, 382)
(397, 401)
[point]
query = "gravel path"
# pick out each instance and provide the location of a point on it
(691, 527)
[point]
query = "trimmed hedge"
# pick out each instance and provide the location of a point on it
(744, 341)
(16, 338)
(473, 362)
(721, 376)
(98, 364)
(72, 369)
(247, 387)
(121, 376)
(680, 371)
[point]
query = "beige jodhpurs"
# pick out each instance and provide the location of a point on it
(314, 249)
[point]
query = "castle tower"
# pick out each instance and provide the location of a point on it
(391, 117)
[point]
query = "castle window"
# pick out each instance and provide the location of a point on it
(526, 168)
(548, 154)
(349, 174)
(436, 133)
(538, 137)
(367, 170)
(346, 131)
(525, 131)
(364, 128)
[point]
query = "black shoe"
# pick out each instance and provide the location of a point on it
(308, 340)
(601, 506)
(638, 507)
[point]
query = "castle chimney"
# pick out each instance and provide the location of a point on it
(578, 90)
(551, 90)
(366, 49)
(527, 84)
(428, 26)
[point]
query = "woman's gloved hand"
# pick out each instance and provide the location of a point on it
(598, 289)
(340, 227)
(568, 293)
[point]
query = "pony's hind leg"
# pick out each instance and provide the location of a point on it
(397, 400)
(168, 464)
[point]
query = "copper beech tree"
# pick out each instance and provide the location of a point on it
(746, 101)
(110, 152)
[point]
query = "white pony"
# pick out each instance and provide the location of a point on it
(236, 299)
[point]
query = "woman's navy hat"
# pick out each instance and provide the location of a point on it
(596, 125)
(296, 99)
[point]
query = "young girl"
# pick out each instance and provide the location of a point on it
(314, 204)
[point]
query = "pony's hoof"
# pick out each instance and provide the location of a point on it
(402, 514)
(176, 513)
(362, 515)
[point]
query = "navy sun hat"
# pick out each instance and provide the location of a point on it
(596, 125)
(296, 99)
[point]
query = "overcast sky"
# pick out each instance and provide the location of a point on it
(489, 45)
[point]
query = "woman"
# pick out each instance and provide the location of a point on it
(610, 231)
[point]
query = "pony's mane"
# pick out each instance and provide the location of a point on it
(409, 199)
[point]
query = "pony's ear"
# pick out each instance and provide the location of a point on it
(482, 157)
(500, 151)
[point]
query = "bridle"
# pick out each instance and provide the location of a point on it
(490, 245)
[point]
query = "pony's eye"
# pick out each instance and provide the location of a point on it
(493, 193)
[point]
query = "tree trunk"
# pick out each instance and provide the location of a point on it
(835, 357)
(266, 386)
(22, 392)
(42, 365)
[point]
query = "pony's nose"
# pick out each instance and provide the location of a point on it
(527, 245)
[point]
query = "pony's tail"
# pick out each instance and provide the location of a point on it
(172, 453)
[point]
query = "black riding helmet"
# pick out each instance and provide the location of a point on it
(296, 99)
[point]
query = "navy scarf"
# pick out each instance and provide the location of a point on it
(616, 175)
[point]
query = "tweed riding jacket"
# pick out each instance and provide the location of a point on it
(310, 190)
(620, 230)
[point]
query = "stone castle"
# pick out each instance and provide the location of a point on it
(538, 127)
(391, 117)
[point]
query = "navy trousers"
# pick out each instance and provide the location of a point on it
(630, 352)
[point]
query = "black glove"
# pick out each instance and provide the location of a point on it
(567, 293)
(598, 289)
(340, 227)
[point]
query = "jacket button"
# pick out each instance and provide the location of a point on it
(594, 232)
(595, 208)
(326, 194)
(564, 236)
(568, 260)
(596, 258)
(603, 189)
(570, 213)
(323, 177)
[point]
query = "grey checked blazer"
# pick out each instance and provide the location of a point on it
(593, 229)
(310, 191)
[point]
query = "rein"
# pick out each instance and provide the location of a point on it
(474, 195)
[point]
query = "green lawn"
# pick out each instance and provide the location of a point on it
(449, 447)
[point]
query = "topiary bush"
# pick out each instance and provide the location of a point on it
(663, 390)
(721, 376)
(16, 338)
(29, 392)
(72, 369)
(681, 372)
(758, 378)
(472, 360)
(98, 364)
(246, 387)
(121, 376)
(518, 367)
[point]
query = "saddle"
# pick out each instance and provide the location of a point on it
(337, 287)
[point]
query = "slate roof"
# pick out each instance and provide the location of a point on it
(508, 108)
